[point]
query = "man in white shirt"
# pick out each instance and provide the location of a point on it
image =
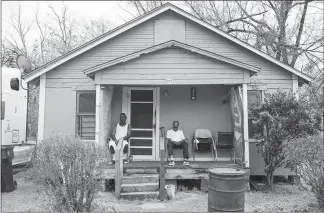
(176, 138)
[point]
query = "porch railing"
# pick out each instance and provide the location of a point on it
(162, 161)
(119, 167)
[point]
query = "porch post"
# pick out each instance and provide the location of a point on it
(41, 110)
(246, 126)
(107, 92)
(98, 104)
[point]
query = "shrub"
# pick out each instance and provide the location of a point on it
(68, 168)
(306, 155)
(280, 119)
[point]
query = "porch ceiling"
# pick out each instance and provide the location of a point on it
(253, 70)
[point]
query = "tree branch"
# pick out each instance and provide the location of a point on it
(242, 18)
(300, 31)
(251, 18)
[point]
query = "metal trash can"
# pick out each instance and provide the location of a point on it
(226, 190)
(7, 182)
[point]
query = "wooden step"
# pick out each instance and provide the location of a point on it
(139, 195)
(140, 171)
(140, 187)
(140, 178)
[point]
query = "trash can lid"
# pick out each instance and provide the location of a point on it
(226, 171)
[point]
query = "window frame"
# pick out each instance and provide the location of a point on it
(79, 115)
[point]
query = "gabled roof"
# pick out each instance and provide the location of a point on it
(169, 44)
(97, 41)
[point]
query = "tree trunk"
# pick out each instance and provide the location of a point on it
(269, 180)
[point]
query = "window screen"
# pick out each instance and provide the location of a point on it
(86, 112)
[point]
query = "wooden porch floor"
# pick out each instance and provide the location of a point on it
(196, 170)
(178, 165)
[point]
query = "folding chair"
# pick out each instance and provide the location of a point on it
(225, 140)
(203, 136)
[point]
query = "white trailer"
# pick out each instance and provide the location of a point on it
(15, 103)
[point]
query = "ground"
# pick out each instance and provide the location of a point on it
(286, 198)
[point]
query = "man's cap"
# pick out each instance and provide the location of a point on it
(176, 123)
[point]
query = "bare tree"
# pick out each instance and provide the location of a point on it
(265, 25)
(94, 28)
(64, 35)
(7, 55)
(43, 41)
(16, 43)
(143, 7)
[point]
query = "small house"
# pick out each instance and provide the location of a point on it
(163, 66)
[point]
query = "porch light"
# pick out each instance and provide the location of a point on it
(193, 93)
(225, 100)
(165, 92)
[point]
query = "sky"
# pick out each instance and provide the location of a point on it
(81, 10)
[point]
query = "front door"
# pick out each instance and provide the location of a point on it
(142, 117)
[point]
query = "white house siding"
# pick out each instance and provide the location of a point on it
(70, 73)
(60, 111)
(271, 75)
(179, 65)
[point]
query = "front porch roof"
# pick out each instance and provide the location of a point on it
(253, 70)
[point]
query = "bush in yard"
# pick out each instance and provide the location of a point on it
(281, 118)
(306, 155)
(68, 168)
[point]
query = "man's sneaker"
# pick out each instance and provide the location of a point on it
(171, 163)
(112, 150)
(125, 150)
(186, 163)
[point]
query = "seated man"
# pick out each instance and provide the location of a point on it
(120, 130)
(176, 138)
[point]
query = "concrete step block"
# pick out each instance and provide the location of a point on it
(139, 195)
(143, 178)
(141, 171)
(140, 187)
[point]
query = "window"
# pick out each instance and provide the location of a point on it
(254, 97)
(86, 115)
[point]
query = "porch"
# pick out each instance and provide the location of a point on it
(149, 108)
(196, 170)
(146, 179)
(167, 82)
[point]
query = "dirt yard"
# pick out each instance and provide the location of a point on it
(286, 198)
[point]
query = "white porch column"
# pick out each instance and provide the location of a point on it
(246, 126)
(98, 105)
(107, 92)
(41, 109)
(104, 94)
